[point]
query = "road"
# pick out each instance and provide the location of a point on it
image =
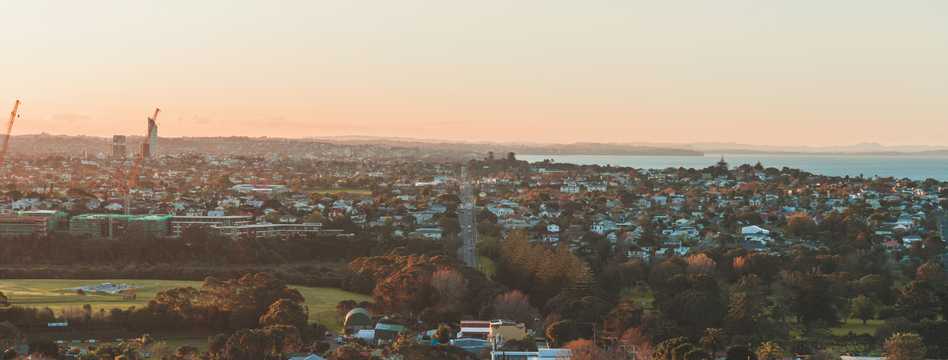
(943, 224)
(467, 252)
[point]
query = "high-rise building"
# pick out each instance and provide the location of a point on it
(119, 150)
(152, 137)
(145, 151)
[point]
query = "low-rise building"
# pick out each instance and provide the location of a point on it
(540, 354)
(180, 223)
(55, 220)
(357, 319)
(23, 226)
(272, 230)
(110, 226)
(502, 331)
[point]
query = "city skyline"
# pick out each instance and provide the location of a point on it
(807, 73)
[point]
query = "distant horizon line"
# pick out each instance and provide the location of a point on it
(685, 145)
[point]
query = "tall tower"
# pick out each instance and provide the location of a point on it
(152, 137)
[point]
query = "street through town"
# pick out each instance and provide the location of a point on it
(467, 252)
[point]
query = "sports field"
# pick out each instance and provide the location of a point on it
(52, 293)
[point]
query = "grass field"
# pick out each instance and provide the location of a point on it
(50, 293)
(486, 266)
(856, 327)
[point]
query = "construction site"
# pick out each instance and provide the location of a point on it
(124, 180)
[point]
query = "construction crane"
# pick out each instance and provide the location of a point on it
(155, 116)
(6, 137)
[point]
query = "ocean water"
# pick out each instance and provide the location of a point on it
(902, 166)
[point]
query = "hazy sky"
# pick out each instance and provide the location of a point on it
(763, 72)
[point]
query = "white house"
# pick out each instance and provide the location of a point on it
(603, 227)
(430, 233)
(908, 240)
(569, 188)
(596, 187)
(756, 234)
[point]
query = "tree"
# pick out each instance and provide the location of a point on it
(800, 225)
(284, 339)
(319, 347)
(769, 350)
(694, 302)
(626, 314)
(187, 352)
(314, 217)
(930, 272)
(411, 350)
(701, 264)
(344, 306)
(740, 352)
(561, 332)
(916, 301)
(449, 285)
(666, 350)
(9, 334)
(904, 346)
(160, 350)
(443, 334)
(216, 344)
(519, 345)
(352, 351)
(810, 297)
(285, 312)
(246, 345)
(583, 349)
(44, 348)
(712, 339)
(246, 298)
(3, 300)
(265, 343)
(514, 305)
(862, 308)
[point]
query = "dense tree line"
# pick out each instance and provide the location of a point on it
(195, 246)
(433, 289)
(265, 318)
(724, 296)
(225, 305)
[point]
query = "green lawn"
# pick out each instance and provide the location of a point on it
(641, 295)
(856, 327)
(486, 266)
(49, 293)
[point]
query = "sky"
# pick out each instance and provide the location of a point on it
(805, 72)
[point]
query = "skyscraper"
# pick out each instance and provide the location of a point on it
(152, 138)
(119, 150)
(145, 153)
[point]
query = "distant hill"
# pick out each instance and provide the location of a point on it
(322, 147)
(45, 144)
(379, 147)
(500, 148)
(861, 149)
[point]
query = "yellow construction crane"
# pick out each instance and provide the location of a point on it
(6, 137)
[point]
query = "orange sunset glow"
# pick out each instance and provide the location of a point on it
(759, 72)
